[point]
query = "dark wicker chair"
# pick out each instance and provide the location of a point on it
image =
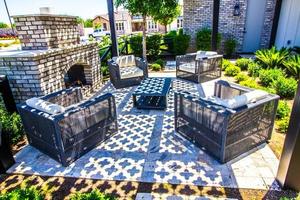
(65, 136)
(199, 67)
(126, 71)
(225, 133)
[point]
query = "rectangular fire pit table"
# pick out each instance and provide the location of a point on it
(152, 93)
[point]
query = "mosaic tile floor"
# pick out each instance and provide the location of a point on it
(147, 149)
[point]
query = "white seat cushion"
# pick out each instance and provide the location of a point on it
(45, 106)
(126, 61)
(205, 54)
(130, 72)
(240, 100)
(188, 67)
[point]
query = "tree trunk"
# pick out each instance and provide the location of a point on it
(166, 29)
(144, 38)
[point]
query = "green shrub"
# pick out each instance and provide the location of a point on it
(283, 110)
(283, 124)
(94, 195)
(232, 70)
(268, 76)
(11, 123)
(285, 87)
(203, 39)
(226, 63)
(241, 77)
(243, 63)
(104, 70)
(253, 69)
(181, 42)
(155, 67)
(293, 66)
(23, 194)
(271, 58)
(169, 40)
(161, 62)
(230, 47)
(136, 46)
(153, 45)
(251, 83)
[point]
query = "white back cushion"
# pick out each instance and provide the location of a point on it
(126, 61)
(45, 106)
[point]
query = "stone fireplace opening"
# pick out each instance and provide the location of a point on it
(75, 76)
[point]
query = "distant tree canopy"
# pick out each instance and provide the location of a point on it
(88, 23)
(80, 20)
(167, 14)
(3, 25)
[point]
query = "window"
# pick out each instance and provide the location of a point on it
(152, 25)
(179, 23)
(120, 26)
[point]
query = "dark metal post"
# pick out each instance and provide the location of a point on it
(113, 35)
(214, 35)
(288, 172)
(275, 23)
(11, 24)
(7, 95)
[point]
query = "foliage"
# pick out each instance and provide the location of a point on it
(203, 39)
(226, 63)
(230, 47)
(253, 69)
(150, 8)
(250, 83)
(283, 110)
(153, 44)
(268, 76)
(3, 25)
(243, 63)
(283, 124)
(79, 20)
(11, 123)
(241, 77)
(292, 65)
(104, 70)
(296, 50)
(169, 40)
(94, 195)
(30, 193)
(161, 62)
(155, 67)
(88, 23)
(271, 58)
(232, 70)
(181, 42)
(135, 44)
(285, 87)
(167, 14)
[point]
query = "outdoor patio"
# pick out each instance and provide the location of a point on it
(147, 149)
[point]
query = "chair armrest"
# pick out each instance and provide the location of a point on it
(114, 70)
(188, 58)
(142, 64)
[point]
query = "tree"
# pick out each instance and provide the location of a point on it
(3, 25)
(88, 23)
(150, 8)
(79, 20)
(167, 14)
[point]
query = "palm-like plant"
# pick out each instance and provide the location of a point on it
(271, 58)
(293, 66)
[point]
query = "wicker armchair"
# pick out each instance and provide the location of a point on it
(64, 127)
(226, 132)
(126, 71)
(199, 67)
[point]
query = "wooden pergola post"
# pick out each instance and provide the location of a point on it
(288, 172)
(215, 25)
(113, 35)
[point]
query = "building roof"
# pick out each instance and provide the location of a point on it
(121, 15)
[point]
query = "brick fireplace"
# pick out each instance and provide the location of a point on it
(51, 58)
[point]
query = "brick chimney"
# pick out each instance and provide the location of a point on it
(46, 31)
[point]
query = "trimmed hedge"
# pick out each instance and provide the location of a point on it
(203, 39)
(181, 42)
(155, 67)
(153, 44)
(241, 77)
(267, 77)
(286, 87)
(283, 110)
(232, 70)
(253, 69)
(243, 63)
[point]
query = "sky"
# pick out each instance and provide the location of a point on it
(83, 8)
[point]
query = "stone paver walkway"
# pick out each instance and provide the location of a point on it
(147, 149)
